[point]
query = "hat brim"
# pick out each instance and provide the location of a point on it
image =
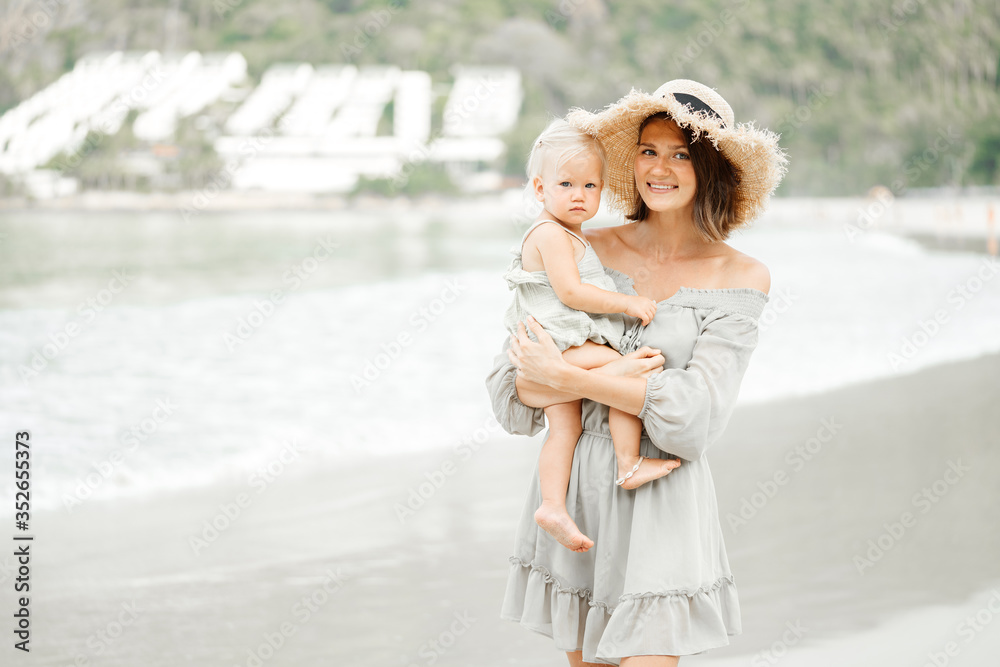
(754, 152)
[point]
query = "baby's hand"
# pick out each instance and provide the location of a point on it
(641, 307)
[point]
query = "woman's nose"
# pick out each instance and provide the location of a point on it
(661, 166)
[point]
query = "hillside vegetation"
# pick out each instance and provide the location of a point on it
(904, 94)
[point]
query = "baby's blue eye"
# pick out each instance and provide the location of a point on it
(591, 185)
(565, 184)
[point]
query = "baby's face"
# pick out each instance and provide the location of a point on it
(572, 193)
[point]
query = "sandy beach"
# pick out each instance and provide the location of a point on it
(403, 562)
(253, 275)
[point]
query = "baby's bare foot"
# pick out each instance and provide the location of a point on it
(557, 523)
(649, 470)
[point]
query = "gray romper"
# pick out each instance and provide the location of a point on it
(533, 295)
(657, 581)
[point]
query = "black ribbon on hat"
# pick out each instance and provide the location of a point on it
(695, 104)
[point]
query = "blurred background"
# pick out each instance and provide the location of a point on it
(250, 289)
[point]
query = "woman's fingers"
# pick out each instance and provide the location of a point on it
(643, 352)
(541, 335)
(515, 345)
(648, 357)
(522, 334)
(652, 364)
(650, 373)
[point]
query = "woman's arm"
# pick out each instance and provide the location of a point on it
(683, 410)
(621, 384)
(513, 416)
(639, 364)
(687, 409)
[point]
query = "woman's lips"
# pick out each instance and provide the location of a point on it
(661, 188)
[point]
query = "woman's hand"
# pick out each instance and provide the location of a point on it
(535, 361)
(642, 363)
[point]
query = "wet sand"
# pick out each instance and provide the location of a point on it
(322, 567)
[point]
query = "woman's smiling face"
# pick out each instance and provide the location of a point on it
(664, 174)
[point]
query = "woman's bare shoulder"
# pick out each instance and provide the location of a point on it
(604, 239)
(742, 270)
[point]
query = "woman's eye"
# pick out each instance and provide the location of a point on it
(683, 156)
(648, 151)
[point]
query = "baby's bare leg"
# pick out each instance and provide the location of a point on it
(554, 465)
(626, 430)
(590, 355)
(587, 356)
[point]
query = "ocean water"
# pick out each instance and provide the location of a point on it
(145, 353)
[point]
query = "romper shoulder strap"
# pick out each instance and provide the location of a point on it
(540, 222)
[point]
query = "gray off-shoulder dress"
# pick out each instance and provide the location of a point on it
(657, 581)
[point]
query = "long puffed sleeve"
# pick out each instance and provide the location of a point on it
(687, 409)
(513, 416)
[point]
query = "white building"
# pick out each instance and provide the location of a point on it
(304, 128)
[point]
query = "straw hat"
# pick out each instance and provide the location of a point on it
(754, 152)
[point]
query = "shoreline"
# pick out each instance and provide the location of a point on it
(946, 224)
(401, 581)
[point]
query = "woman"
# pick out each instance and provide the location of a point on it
(657, 583)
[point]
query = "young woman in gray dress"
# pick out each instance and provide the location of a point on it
(657, 583)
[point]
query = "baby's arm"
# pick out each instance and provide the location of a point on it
(555, 247)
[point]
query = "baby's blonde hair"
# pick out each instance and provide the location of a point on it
(563, 142)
